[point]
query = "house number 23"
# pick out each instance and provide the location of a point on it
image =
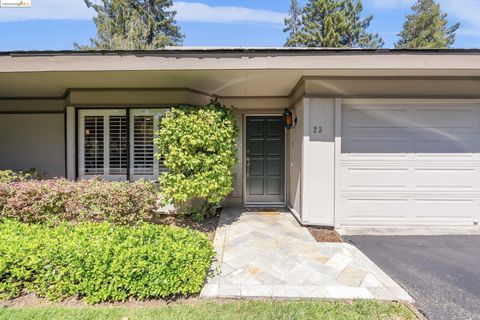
(317, 129)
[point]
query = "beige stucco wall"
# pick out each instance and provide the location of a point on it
(33, 141)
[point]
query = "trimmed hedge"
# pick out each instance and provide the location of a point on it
(101, 262)
(58, 200)
(8, 176)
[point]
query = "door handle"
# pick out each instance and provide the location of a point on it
(248, 167)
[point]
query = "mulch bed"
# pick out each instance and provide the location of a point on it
(31, 300)
(207, 226)
(324, 234)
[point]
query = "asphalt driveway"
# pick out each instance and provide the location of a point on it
(442, 273)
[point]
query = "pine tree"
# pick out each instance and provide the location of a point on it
(133, 25)
(324, 23)
(331, 23)
(293, 24)
(427, 27)
(357, 35)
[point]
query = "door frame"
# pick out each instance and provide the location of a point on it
(244, 163)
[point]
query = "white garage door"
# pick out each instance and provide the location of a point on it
(409, 164)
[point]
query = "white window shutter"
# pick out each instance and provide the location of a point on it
(94, 159)
(118, 147)
(103, 144)
(143, 147)
(144, 164)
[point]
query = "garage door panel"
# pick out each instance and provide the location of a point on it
(368, 178)
(423, 170)
(399, 145)
(383, 209)
(445, 144)
(426, 210)
(358, 146)
(453, 209)
(410, 119)
(368, 119)
(451, 117)
(450, 179)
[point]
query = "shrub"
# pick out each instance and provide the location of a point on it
(101, 262)
(8, 176)
(198, 145)
(58, 200)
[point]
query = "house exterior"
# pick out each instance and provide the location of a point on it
(382, 137)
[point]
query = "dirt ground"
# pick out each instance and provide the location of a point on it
(31, 300)
(208, 226)
(325, 235)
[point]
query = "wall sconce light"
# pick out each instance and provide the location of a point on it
(288, 119)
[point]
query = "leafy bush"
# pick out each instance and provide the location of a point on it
(86, 200)
(198, 145)
(101, 262)
(8, 176)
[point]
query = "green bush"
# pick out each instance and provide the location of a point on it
(198, 145)
(57, 200)
(101, 262)
(9, 176)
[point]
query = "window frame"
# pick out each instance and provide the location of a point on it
(156, 113)
(105, 113)
(129, 113)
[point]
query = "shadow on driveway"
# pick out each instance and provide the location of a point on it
(442, 273)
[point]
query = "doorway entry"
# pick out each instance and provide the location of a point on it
(265, 160)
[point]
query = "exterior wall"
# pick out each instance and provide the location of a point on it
(31, 106)
(70, 145)
(318, 162)
(294, 161)
(33, 141)
(235, 199)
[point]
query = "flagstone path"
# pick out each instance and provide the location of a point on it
(269, 255)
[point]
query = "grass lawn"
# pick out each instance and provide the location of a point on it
(264, 310)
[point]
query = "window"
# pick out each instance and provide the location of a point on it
(104, 142)
(143, 124)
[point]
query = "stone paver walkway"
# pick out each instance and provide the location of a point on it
(268, 254)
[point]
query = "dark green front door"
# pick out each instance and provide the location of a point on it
(265, 160)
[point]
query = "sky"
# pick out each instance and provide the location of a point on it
(56, 25)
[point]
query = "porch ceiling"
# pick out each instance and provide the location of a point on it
(218, 82)
(234, 73)
(223, 83)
